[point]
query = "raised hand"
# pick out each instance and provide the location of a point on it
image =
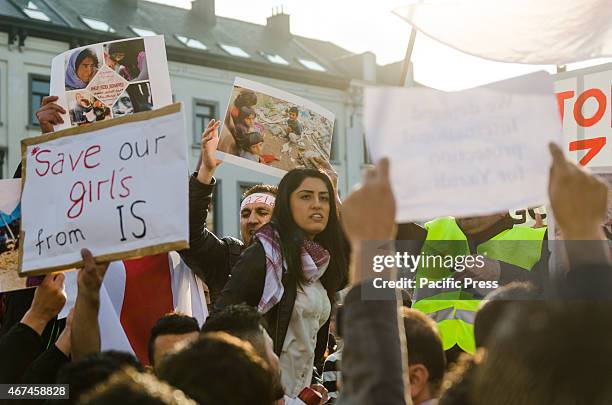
(49, 114)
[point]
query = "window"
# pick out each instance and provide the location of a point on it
(214, 211)
(39, 88)
(143, 32)
(191, 43)
(234, 51)
(203, 112)
(312, 65)
(32, 11)
(367, 159)
(3, 155)
(97, 24)
(279, 60)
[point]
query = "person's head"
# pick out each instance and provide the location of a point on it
(218, 368)
(170, 330)
(246, 323)
(548, 352)
(85, 102)
(293, 113)
(458, 384)
(116, 51)
(306, 209)
(86, 65)
(252, 141)
(426, 361)
(246, 116)
(94, 369)
(496, 303)
(256, 210)
(473, 225)
(130, 387)
(246, 98)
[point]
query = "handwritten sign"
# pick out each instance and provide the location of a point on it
(118, 188)
(474, 152)
(585, 103)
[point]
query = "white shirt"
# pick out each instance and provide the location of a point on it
(310, 312)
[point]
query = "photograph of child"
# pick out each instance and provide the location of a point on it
(274, 128)
(85, 109)
(80, 68)
(128, 59)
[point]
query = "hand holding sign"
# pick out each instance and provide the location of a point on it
(578, 199)
(49, 114)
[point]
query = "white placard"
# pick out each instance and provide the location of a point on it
(474, 152)
(111, 79)
(117, 188)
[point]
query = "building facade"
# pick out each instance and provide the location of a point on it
(205, 54)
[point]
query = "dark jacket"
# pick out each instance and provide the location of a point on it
(372, 358)
(246, 286)
(209, 257)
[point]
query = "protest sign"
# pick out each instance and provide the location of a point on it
(474, 152)
(585, 103)
(272, 131)
(118, 188)
(111, 79)
(10, 217)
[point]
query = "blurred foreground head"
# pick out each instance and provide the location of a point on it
(219, 369)
(549, 353)
(130, 387)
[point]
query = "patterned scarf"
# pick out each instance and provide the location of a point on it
(315, 260)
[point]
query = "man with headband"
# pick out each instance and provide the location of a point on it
(209, 256)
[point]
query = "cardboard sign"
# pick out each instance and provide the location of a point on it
(272, 131)
(118, 188)
(585, 103)
(469, 153)
(112, 79)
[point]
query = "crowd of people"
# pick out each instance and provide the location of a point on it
(294, 317)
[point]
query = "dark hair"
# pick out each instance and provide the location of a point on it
(247, 140)
(294, 110)
(130, 387)
(238, 320)
(495, 305)
(85, 53)
(261, 188)
(549, 352)
(424, 345)
(292, 237)
(173, 323)
(116, 47)
(246, 98)
(219, 369)
(94, 369)
(458, 382)
(245, 112)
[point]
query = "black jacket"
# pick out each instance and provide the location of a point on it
(246, 286)
(209, 257)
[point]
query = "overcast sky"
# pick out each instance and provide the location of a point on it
(364, 25)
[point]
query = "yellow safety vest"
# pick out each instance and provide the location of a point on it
(454, 310)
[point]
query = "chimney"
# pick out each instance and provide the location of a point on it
(204, 10)
(278, 25)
